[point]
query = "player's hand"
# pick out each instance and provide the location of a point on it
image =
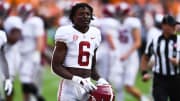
(124, 57)
(174, 61)
(86, 84)
(8, 87)
(89, 86)
(37, 57)
(146, 77)
(102, 81)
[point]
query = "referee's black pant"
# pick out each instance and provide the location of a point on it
(165, 88)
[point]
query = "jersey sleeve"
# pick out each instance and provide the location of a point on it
(38, 26)
(136, 24)
(149, 48)
(3, 38)
(98, 41)
(61, 35)
(133, 23)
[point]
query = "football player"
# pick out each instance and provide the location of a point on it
(32, 44)
(12, 26)
(108, 25)
(125, 62)
(5, 9)
(75, 54)
(4, 65)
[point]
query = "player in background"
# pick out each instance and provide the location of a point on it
(155, 29)
(12, 26)
(152, 32)
(4, 74)
(126, 61)
(75, 55)
(64, 20)
(108, 26)
(32, 44)
(5, 9)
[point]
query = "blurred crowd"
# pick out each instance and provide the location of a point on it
(52, 11)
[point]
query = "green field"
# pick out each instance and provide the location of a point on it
(51, 82)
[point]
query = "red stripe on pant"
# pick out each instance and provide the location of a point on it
(60, 90)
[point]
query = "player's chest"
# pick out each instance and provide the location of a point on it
(82, 40)
(29, 29)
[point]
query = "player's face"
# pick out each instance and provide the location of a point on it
(82, 17)
(177, 28)
(14, 36)
(168, 29)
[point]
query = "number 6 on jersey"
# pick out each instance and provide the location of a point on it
(83, 58)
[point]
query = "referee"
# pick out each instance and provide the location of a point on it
(166, 70)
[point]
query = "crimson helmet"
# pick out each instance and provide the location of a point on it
(103, 93)
(109, 10)
(5, 9)
(24, 10)
(123, 8)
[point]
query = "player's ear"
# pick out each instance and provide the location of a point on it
(92, 16)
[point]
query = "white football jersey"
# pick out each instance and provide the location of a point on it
(32, 28)
(3, 38)
(125, 33)
(108, 23)
(13, 58)
(81, 46)
(110, 27)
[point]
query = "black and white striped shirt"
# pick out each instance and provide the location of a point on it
(163, 49)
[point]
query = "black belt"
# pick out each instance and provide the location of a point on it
(166, 76)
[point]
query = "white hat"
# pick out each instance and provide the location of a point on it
(12, 22)
(159, 18)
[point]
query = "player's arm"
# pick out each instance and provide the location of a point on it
(40, 43)
(5, 67)
(8, 86)
(136, 44)
(58, 58)
(144, 67)
(145, 61)
(110, 41)
(94, 74)
(136, 35)
(137, 40)
(3, 40)
(39, 48)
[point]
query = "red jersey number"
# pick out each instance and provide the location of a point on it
(123, 37)
(83, 54)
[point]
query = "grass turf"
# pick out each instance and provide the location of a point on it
(51, 82)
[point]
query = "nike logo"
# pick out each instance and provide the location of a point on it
(92, 37)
